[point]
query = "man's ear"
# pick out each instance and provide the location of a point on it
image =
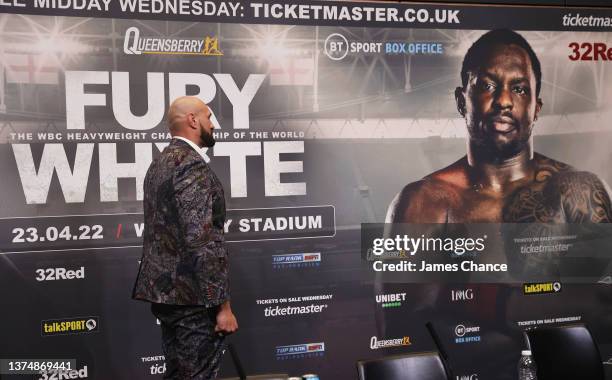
(539, 105)
(191, 120)
(460, 100)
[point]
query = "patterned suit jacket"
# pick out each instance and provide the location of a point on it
(184, 259)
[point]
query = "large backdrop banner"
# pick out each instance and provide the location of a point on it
(331, 119)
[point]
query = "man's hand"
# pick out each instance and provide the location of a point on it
(226, 321)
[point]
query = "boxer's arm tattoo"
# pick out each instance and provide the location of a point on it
(529, 206)
(585, 199)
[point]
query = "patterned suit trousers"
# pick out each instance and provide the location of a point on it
(191, 347)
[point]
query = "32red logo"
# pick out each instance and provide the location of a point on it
(590, 51)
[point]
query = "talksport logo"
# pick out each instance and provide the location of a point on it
(133, 43)
(376, 344)
(390, 300)
(296, 260)
(541, 288)
(299, 351)
(59, 374)
(77, 325)
(467, 334)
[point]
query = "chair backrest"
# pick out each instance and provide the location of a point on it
(417, 366)
(564, 353)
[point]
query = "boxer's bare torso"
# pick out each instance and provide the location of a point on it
(548, 191)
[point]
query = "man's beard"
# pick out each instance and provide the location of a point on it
(505, 150)
(208, 141)
(491, 148)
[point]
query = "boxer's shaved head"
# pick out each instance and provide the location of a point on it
(189, 117)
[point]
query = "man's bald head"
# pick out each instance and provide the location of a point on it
(178, 114)
(189, 117)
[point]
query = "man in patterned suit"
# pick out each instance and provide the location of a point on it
(184, 266)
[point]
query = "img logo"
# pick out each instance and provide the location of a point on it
(462, 295)
(299, 351)
(473, 376)
(296, 260)
(133, 43)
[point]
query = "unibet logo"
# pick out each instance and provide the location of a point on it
(391, 300)
(54, 274)
(65, 374)
(542, 288)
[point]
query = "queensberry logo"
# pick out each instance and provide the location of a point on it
(296, 260)
(134, 44)
(299, 351)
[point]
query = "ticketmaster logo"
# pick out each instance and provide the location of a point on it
(133, 43)
(277, 311)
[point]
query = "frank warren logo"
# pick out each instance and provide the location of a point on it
(76, 373)
(467, 334)
(375, 343)
(390, 300)
(296, 260)
(66, 326)
(299, 351)
(133, 43)
(542, 288)
(462, 295)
